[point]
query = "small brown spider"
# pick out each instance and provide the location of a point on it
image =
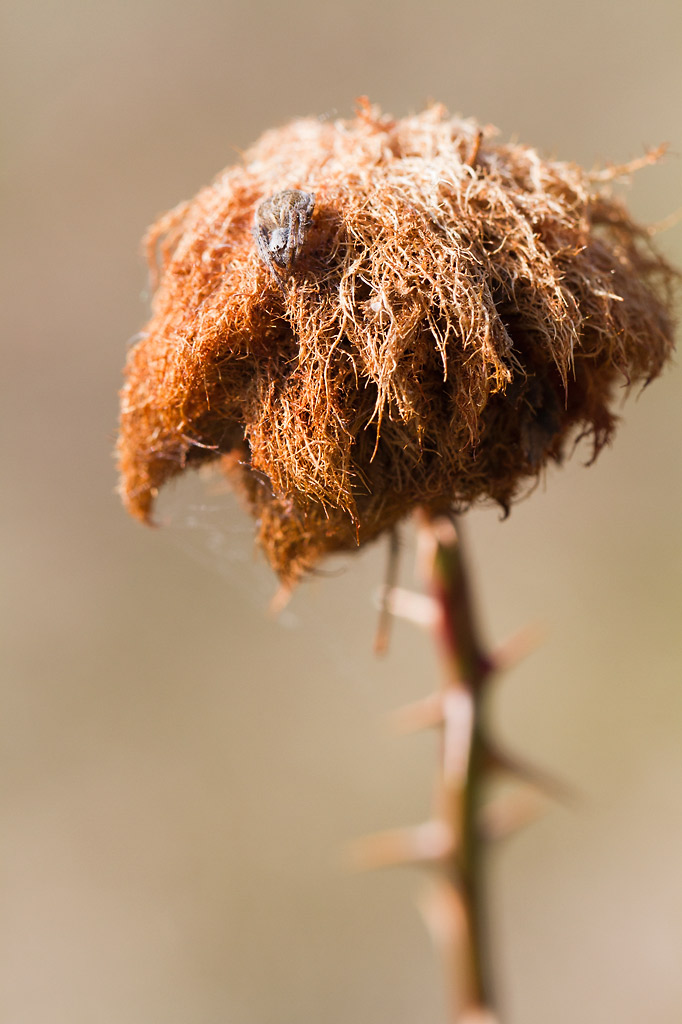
(280, 227)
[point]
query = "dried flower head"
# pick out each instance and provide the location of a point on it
(372, 315)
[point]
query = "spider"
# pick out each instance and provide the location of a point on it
(280, 227)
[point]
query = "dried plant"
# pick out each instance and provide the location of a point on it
(371, 317)
(452, 315)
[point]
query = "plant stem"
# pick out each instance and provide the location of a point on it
(461, 774)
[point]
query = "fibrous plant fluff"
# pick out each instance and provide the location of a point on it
(451, 314)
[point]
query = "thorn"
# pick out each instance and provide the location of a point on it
(443, 531)
(280, 600)
(507, 814)
(478, 1015)
(500, 761)
(458, 710)
(422, 844)
(422, 714)
(385, 613)
(442, 909)
(517, 647)
(419, 609)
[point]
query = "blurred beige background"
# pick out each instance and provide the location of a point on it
(179, 773)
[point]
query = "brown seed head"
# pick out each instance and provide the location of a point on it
(430, 319)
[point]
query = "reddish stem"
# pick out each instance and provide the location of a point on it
(462, 770)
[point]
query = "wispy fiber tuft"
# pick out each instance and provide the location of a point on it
(455, 313)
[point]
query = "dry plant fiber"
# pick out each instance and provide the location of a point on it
(372, 315)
